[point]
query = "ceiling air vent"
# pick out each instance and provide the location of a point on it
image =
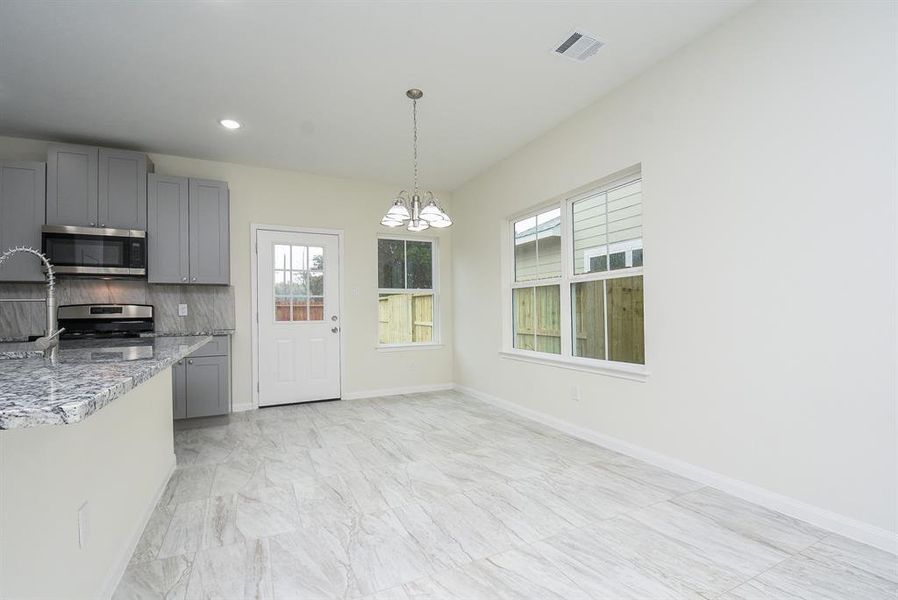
(579, 46)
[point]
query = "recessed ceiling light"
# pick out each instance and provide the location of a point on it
(230, 124)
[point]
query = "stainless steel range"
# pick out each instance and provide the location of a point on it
(108, 331)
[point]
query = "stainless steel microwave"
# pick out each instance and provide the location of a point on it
(95, 251)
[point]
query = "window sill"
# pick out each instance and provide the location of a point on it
(620, 370)
(406, 347)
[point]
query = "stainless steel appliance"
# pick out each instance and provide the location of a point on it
(106, 332)
(105, 320)
(95, 251)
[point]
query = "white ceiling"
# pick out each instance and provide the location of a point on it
(320, 85)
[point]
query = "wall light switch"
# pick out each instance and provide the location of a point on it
(182, 310)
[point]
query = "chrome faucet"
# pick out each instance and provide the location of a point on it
(49, 343)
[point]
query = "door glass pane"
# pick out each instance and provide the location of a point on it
(626, 321)
(419, 262)
(280, 283)
(299, 285)
(282, 309)
(300, 309)
(590, 234)
(405, 318)
(281, 256)
(316, 308)
(316, 284)
(299, 258)
(316, 258)
(391, 260)
(588, 300)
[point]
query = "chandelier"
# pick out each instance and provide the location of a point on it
(413, 211)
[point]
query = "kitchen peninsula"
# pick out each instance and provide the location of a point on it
(86, 448)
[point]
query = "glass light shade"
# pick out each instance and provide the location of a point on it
(419, 225)
(443, 221)
(398, 211)
(431, 212)
(390, 222)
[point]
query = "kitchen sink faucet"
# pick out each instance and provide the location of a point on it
(49, 343)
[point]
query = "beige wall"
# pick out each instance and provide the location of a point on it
(279, 197)
(768, 150)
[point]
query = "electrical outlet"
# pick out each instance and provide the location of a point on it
(182, 310)
(83, 525)
(575, 393)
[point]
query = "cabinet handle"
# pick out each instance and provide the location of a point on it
(190, 362)
(92, 224)
(102, 224)
(183, 279)
(194, 278)
(180, 362)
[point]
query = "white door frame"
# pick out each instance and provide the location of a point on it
(254, 229)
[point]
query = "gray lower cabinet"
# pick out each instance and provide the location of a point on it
(201, 382)
(22, 204)
(179, 389)
(188, 230)
(97, 187)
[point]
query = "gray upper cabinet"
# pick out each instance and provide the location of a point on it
(188, 230)
(209, 232)
(72, 185)
(167, 229)
(122, 189)
(97, 187)
(22, 201)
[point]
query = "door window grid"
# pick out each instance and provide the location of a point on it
(298, 283)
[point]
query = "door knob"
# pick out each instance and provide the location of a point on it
(335, 329)
(334, 318)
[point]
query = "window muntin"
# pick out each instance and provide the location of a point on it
(591, 257)
(406, 293)
(298, 283)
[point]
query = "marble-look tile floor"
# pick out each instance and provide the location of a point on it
(441, 496)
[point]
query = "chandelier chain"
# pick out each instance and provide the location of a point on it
(415, 139)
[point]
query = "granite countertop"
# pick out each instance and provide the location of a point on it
(89, 375)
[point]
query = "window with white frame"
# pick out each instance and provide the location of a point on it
(577, 286)
(406, 280)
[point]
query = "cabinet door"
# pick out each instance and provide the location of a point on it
(179, 389)
(122, 189)
(22, 203)
(168, 249)
(207, 386)
(209, 232)
(72, 185)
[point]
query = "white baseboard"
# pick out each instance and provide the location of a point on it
(411, 389)
(115, 575)
(815, 515)
(242, 407)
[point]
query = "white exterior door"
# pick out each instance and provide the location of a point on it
(299, 317)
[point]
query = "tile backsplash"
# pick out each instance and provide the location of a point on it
(208, 307)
